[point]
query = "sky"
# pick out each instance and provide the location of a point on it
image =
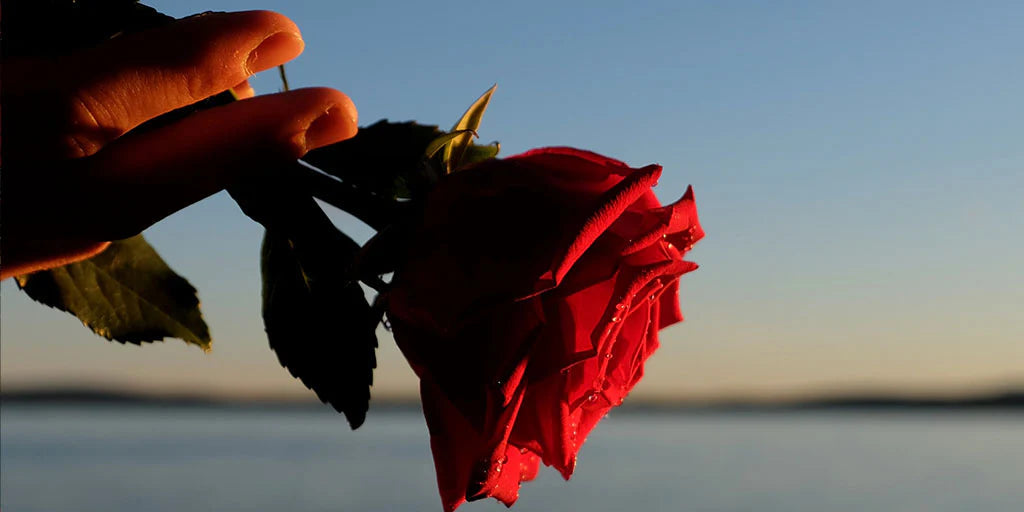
(858, 168)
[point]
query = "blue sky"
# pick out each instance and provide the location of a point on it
(858, 167)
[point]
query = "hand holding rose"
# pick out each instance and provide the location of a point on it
(75, 176)
(527, 292)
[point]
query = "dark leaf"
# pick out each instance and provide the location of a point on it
(53, 27)
(317, 319)
(387, 159)
(383, 253)
(384, 158)
(269, 197)
(126, 293)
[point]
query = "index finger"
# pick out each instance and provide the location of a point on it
(136, 77)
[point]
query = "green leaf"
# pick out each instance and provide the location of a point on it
(444, 141)
(469, 121)
(317, 318)
(126, 293)
(477, 153)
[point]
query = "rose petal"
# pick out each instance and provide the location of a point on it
(545, 424)
(529, 303)
(467, 369)
(554, 157)
(505, 474)
(684, 215)
(613, 203)
(648, 348)
(670, 310)
(453, 460)
(626, 354)
(529, 464)
(469, 462)
(520, 215)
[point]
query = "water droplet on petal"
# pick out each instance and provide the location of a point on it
(616, 319)
(620, 306)
(608, 355)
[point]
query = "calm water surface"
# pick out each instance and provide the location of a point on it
(113, 459)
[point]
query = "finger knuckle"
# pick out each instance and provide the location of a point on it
(86, 132)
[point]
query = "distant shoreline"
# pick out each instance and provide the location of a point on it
(1008, 401)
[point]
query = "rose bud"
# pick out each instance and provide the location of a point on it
(532, 294)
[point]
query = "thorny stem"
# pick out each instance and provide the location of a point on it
(284, 78)
(377, 212)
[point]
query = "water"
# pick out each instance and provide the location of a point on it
(111, 459)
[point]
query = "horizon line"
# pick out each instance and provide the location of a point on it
(1011, 398)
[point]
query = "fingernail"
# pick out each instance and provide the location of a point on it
(335, 125)
(274, 51)
(244, 90)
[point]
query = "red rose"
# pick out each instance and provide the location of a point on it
(533, 293)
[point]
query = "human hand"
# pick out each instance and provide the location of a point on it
(75, 176)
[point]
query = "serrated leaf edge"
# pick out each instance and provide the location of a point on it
(206, 346)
